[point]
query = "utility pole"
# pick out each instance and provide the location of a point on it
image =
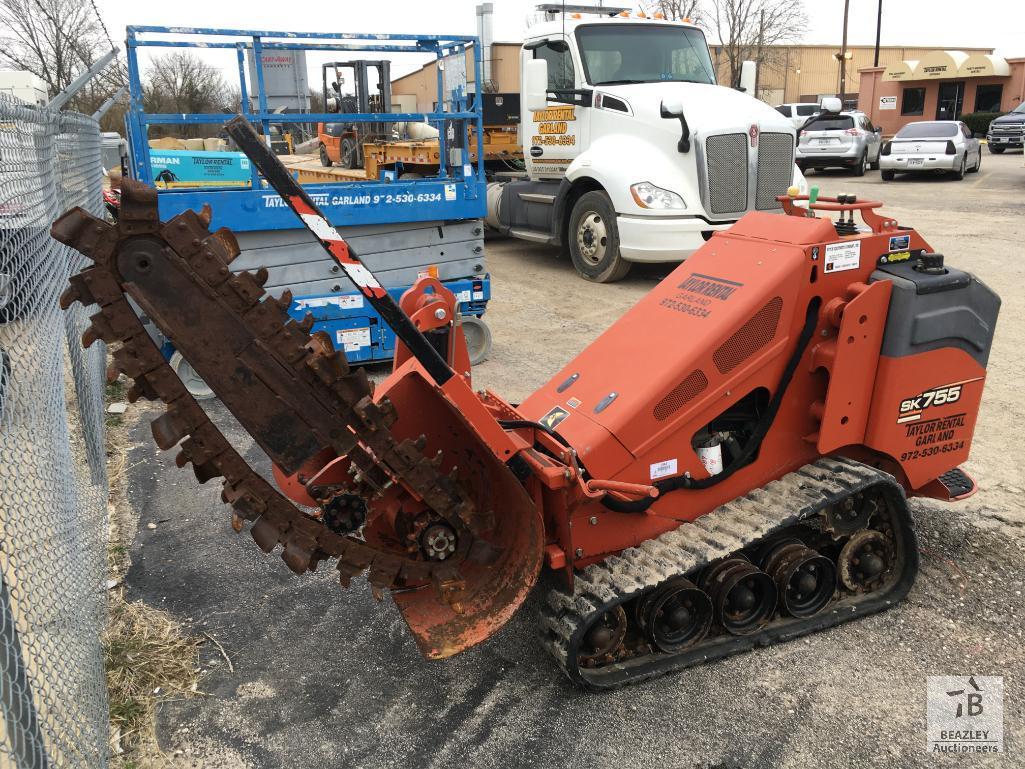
(843, 54)
(879, 27)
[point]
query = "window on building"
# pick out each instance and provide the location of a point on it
(913, 102)
(561, 75)
(988, 97)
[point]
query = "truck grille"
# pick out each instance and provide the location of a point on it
(775, 169)
(1007, 129)
(726, 156)
(730, 188)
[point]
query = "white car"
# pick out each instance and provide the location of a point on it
(798, 112)
(931, 145)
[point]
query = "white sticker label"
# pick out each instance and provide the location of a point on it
(463, 296)
(347, 302)
(662, 469)
(450, 192)
(353, 339)
(843, 256)
(478, 295)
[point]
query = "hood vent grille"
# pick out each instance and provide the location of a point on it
(750, 338)
(681, 395)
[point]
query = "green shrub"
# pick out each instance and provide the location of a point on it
(978, 122)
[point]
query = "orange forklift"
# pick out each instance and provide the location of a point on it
(342, 142)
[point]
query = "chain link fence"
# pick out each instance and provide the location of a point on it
(53, 483)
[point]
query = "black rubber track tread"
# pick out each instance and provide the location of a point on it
(732, 526)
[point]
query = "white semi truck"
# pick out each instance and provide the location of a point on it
(633, 153)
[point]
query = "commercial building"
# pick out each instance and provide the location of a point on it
(942, 85)
(789, 73)
(805, 73)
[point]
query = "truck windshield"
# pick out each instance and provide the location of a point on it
(617, 54)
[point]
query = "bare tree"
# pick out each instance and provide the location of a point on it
(58, 40)
(316, 101)
(747, 30)
(179, 82)
(54, 39)
(674, 10)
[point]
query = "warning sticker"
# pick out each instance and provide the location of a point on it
(900, 242)
(554, 418)
(663, 468)
(345, 302)
(843, 256)
(353, 339)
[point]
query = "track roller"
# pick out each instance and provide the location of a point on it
(743, 596)
(866, 561)
(805, 580)
(604, 637)
(676, 615)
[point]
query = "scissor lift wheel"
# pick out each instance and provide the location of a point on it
(478, 338)
(193, 382)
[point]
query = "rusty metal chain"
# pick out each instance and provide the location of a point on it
(360, 426)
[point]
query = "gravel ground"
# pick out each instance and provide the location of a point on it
(328, 679)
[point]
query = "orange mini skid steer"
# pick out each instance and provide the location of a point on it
(726, 466)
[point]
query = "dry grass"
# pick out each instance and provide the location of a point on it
(149, 656)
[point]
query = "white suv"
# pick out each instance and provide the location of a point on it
(799, 112)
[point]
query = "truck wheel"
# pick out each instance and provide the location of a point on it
(996, 150)
(478, 338)
(887, 174)
(594, 239)
(347, 153)
(324, 159)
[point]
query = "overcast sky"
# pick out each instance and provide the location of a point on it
(949, 23)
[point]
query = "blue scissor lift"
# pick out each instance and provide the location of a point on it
(401, 228)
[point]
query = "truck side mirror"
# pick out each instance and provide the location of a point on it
(674, 108)
(535, 84)
(671, 108)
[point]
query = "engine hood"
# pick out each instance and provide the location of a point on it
(708, 108)
(1011, 117)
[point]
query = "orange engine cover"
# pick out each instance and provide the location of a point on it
(715, 338)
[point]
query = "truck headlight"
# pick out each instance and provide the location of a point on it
(647, 195)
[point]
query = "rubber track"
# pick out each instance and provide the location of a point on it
(727, 529)
(204, 257)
